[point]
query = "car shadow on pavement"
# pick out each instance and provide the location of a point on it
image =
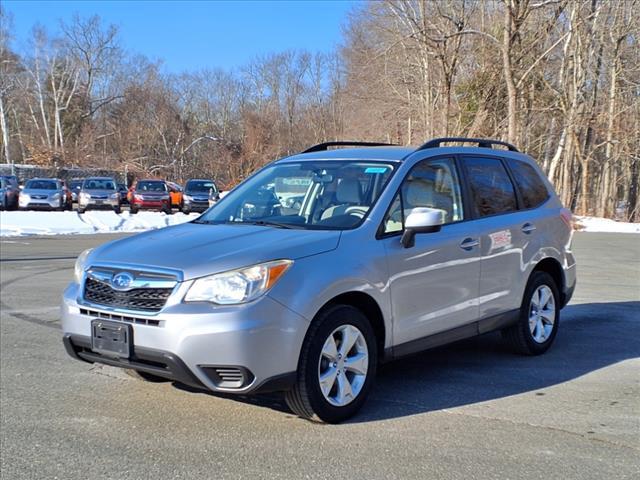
(591, 336)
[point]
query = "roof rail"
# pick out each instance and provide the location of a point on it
(482, 143)
(325, 146)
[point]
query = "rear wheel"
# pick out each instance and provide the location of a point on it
(336, 368)
(81, 209)
(539, 319)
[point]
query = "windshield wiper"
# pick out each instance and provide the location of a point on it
(267, 223)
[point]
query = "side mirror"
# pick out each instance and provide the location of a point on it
(421, 220)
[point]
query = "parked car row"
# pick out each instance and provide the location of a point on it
(95, 193)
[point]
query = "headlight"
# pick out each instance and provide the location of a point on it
(56, 196)
(81, 263)
(187, 198)
(24, 197)
(115, 196)
(238, 286)
(84, 196)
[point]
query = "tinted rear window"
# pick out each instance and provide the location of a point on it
(532, 189)
(491, 188)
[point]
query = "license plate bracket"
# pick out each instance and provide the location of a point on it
(111, 339)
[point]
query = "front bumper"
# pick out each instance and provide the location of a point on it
(186, 342)
(48, 204)
(150, 204)
(95, 204)
(196, 206)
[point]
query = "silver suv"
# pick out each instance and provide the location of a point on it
(99, 193)
(390, 251)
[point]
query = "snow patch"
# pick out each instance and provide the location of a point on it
(596, 224)
(18, 224)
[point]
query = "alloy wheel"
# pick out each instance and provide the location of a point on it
(542, 314)
(343, 365)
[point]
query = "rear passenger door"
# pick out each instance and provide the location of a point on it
(505, 241)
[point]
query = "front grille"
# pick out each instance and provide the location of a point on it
(120, 318)
(144, 299)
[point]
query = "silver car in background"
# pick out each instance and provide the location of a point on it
(390, 251)
(99, 193)
(44, 193)
(9, 192)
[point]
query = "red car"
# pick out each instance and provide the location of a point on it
(150, 195)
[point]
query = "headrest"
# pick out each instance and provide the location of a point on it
(348, 191)
(418, 192)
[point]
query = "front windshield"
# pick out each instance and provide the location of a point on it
(151, 187)
(199, 186)
(99, 184)
(75, 185)
(332, 195)
(42, 185)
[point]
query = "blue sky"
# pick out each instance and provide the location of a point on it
(191, 35)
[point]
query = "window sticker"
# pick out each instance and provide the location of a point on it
(375, 170)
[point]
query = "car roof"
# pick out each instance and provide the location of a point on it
(368, 153)
(398, 154)
(99, 178)
(45, 178)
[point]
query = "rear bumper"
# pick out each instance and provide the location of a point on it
(569, 284)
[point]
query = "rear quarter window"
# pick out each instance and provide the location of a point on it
(532, 188)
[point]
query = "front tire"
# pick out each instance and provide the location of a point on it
(539, 318)
(337, 366)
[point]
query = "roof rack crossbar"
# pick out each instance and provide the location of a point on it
(482, 143)
(325, 146)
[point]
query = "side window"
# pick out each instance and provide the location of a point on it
(491, 189)
(532, 188)
(432, 184)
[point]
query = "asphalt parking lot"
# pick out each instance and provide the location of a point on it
(470, 410)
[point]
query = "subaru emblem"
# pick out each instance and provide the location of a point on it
(122, 281)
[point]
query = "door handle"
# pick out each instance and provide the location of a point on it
(469, 243)
(528, 228)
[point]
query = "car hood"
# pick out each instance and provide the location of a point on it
(101, 193)
(36, 191)
(198, 249)
(152, 194)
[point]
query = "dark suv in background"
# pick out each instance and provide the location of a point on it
(196, 195)
(9, 192)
